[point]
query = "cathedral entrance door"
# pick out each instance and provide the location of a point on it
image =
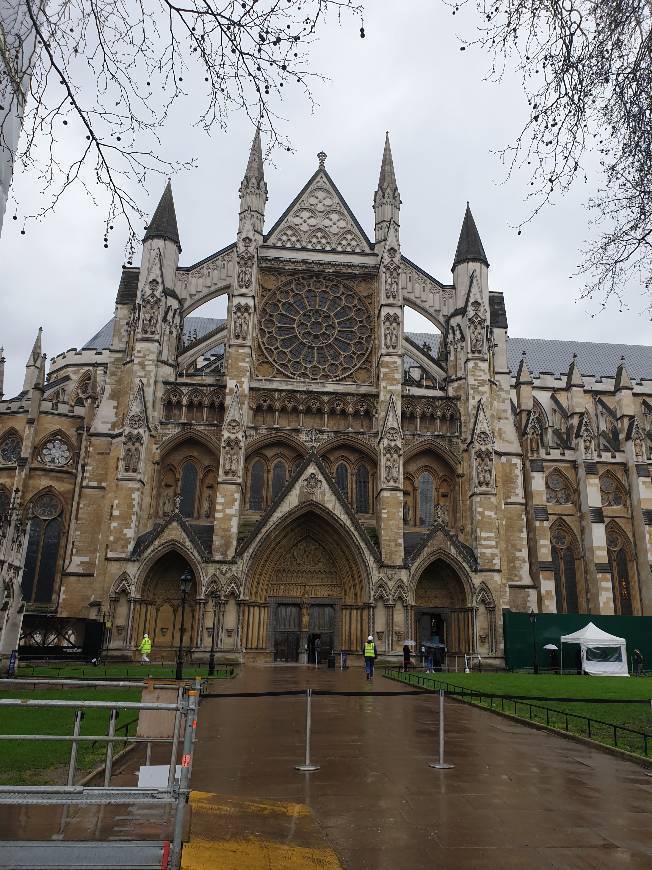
(321, 637)
(287, 632)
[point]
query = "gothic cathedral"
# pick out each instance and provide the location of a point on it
(315, 469)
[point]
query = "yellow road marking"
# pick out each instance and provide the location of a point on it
(251, 854)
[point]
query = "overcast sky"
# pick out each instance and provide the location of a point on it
(407, 76)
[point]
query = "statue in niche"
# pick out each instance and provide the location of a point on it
(637, 443)
(245, 264)
(177, 504)
(484, 468)
(476, 329)
(231, 454)
(241, 314)
(392, 272)
(587, 445)
(392, 463)
(167, 502)
(150, 314)
(391, 325)
(406, 511)
(208, 503)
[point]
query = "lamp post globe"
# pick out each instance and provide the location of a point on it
(184, 582)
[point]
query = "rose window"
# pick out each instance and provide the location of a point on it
(55, 452)
(315, 328)
(557, 489)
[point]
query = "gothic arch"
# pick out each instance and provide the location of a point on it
(50, 436)
(381, 591)
(122, 584)
(157, 553)
(208, 296)
(294, 525)
(81, 388)
(270, 440)
(568, 568)
(440, 553)
(195, 435)
(612, 491)
(622, 567)
(483, 594)
(11, 442)
(560, 489)
(433, 445)
(351, 442)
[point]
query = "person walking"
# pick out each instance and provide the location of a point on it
(406, 657)
(638, 663)
(145, 648)
(370, 654)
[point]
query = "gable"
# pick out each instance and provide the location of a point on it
(319, 220)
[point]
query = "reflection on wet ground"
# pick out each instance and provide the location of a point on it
(516, 795)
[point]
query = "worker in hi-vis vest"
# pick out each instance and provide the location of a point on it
(145, 648)
(370, 653)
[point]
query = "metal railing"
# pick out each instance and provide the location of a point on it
(174, 793)
(552, 717)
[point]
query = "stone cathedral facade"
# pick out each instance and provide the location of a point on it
(320, 471)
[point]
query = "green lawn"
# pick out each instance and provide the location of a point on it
(119, 671)
(559, 715)
(40, 762)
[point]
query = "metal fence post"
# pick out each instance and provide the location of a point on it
(175, 739)
(79, 715)
(441, 764)
(109, 748)
(308, 766)
(184, 782)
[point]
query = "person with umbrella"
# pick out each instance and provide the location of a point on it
(406, 657)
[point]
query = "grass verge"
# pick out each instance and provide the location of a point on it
(602, 708)
(34, 762)
(119, 671)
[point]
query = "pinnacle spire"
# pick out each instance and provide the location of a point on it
(523, 375)
(163, 224)
(255, 171)
(387, 178)
(623, 380)
(35, 355)
(574, 376)
(469, 246)
(34, 362)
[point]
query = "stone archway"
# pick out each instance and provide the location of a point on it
(305, 592)
(160, 605)
(443, 614)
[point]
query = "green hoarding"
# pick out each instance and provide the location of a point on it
(521, 636)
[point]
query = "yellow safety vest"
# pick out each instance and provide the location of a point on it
(146, 645)
(369, 652)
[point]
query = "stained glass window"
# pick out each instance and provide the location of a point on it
(620, 579)
(342, 479)
(316, 328)
(362, 490)
(256, 485)
(42, 554)
(426, 498)
(564, 568)
(10, 449)
(188, 489)
(279, 473)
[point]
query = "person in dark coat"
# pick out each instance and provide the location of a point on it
(406, 657)
(638, 663)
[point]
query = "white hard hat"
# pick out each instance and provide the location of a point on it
(371, 637)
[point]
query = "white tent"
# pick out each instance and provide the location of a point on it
(602, 653)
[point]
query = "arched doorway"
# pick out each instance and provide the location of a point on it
(161, 606)
(442, 616)
(306, 593)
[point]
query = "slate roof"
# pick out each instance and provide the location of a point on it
(543, 354)
(199, 325)
(164, 223)
(469, 245)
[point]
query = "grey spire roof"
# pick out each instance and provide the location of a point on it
(469, 246)
(164, 223)
(255, 168)
(387, 178)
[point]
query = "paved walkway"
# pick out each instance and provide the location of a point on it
(517, 796)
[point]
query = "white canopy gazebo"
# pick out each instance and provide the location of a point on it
(603, 654)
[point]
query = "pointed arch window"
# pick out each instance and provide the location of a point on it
(426, 499)
(256, 486)
(621, 571)
(5, 500)
(42, 556)
(565, 567)
(362, 489)
(10, 448)
(342, 479)
(188, 489)
(612, 493)
(279, 477)
(558, 490)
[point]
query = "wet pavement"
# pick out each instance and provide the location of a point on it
(518, 796)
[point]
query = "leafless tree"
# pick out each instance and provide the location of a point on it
(586, 68)
(97, 80)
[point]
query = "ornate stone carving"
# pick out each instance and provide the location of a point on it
(231, 450)
(150, 312)
(558, 490)
(587, 437)
(391, 331)
(241, 317)
(392, 463)
(484, 468)
(319, 221)
(131, 454)
(392, 274)
(315, 328)
(55, 451)
(477, 329)
(245, 262)
(10, 449)
(482, 441)
(312, 483)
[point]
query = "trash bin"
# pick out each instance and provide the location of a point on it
(331, 661)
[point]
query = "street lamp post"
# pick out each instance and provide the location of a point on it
(186, 580)
(535, 660)
(211, 658)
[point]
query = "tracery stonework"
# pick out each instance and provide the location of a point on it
(315, 327)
